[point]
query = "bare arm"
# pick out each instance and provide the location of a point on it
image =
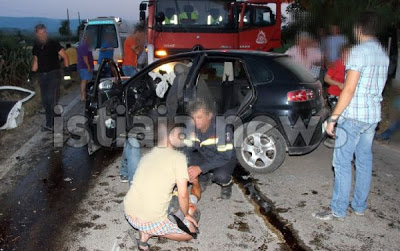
(86, 60)
(64, 57)
(34, 64)
(138, 47)
(344, 99)
(330, 81)
(347, 94)
(183, 198)
(183, 195)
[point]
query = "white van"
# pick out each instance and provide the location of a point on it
(99, 28)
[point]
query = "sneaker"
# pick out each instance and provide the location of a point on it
(327, 215)
(329, 142)
(204, 181)
(123, 179)
(358, 213)
(226, 191)
(46, 129)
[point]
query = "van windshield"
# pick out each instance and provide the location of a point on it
(183, 14)
(101, 34)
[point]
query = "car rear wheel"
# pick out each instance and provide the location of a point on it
(262, 150)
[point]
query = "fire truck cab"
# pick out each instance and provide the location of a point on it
(176, 26)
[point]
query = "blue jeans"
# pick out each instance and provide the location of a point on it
(129, 70)
(352, 137)
(130, 158)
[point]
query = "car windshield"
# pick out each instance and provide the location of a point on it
(200, 13)
(101, 34)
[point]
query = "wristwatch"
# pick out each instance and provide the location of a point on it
(331, 120)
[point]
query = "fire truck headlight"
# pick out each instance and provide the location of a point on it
(161, 53)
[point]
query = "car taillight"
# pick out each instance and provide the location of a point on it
(301, 95)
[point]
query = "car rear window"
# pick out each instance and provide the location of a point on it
(302, 73)
(260, 73)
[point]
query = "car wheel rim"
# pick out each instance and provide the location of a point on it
(258, 150)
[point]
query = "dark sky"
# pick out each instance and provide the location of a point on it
(127, 9)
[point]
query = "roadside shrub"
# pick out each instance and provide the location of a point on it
(16, 61)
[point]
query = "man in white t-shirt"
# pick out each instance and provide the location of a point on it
(305, 54)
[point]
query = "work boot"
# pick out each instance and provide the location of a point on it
(226, 191)
(204, 181)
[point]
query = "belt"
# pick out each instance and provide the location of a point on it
(49, 72)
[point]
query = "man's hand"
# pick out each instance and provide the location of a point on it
(191, 220)
(330, 127)
(194, 172)
(341, 86)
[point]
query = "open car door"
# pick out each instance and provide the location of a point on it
(225, 82)
(103, 104)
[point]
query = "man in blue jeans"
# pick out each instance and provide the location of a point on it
(357, 113)
(130, 159)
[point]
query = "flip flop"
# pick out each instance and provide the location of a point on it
(139, 244)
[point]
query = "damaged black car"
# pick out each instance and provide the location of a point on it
(275, 106)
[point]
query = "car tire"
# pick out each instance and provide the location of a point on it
(264, 142)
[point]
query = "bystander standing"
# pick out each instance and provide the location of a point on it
(85, 63)
(356, 114)
(46, 54)
(133, 46)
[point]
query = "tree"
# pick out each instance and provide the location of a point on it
(311, 15)
(64, 30)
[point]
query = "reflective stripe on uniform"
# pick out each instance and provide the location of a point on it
(224, 148)
(193, 16)
(209, 142)
(190, 142)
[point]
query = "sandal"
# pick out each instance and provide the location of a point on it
(143, 246)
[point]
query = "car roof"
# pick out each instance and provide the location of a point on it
(231, 53)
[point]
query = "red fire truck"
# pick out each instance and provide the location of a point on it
(176, 26)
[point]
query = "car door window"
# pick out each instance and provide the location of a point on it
(223, 82)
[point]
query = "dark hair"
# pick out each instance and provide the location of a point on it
(367, 22)
(68, 45)
(139, 28)
(200, 103)
(40, 27)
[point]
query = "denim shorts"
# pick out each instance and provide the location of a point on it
(84, 74)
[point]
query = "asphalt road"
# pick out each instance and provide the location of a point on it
(71, 201)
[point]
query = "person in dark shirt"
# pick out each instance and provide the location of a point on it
(211, 151)
(85, 63)
(46, 62)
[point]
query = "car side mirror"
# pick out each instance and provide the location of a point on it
(143, 7)
(106, 84)
(142, 16)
